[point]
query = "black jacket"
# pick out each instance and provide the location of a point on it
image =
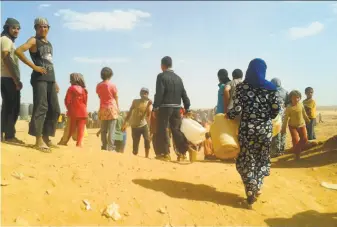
(170, 91)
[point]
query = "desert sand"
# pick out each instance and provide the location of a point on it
(51, 187)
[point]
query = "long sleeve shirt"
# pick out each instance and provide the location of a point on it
(170, 91)
(295, 116)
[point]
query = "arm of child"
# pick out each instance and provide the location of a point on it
(67, 100)
(226, 97)
(305, 116)
(128, 116)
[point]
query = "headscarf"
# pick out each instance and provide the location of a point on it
(77, 78)
(282, 93)
(145, 97)
(9, 23)
(256, 75)
(41, 21)
(276, 82)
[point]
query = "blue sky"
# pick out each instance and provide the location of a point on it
(296, 39)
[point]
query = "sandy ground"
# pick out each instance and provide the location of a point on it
(203, 193)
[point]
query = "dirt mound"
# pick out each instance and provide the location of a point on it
(331, 144)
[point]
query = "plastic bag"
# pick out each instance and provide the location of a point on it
(193, 131)
(224, 134)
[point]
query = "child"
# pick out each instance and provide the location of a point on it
(108, 112)
(139, 116)
(76, 103)
(120, 135)
(310, 109)
(208, 148)
(297, 118)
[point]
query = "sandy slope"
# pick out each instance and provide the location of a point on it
(201, 193)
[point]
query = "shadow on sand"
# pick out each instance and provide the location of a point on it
(315, 157)
(197, 192)
(18, 144)
(309, 218)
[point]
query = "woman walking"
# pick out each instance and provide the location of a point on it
(256, 101)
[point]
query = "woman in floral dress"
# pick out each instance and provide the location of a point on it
(257, 103)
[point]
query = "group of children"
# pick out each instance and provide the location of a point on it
(301, 119)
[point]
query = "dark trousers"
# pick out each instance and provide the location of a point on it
(10, 107)
(170, 117)
(311, 129)
(46, 109)
(136, 134)
(119, 146)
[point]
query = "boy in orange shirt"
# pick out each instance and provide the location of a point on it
(310, 108)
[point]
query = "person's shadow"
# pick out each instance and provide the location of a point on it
(198, 192)
(309, 218)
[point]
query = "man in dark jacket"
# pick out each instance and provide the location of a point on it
(167, 103)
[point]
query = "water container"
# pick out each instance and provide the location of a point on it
(30, 109)
(277, 125)
(24, 111)
(193, 131)
(224, 134)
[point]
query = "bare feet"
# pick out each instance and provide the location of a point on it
(48, 142)
(41, 146)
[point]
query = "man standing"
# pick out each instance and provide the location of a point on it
(46, 107)
(10, 81)
(170, 91)
(140, 113)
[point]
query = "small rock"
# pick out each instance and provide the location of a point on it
(111, 211)
(48, 192)
(314, 169)
(126, 214)
(18, 176)
(162, 210)
(21, 221)
(87, 204)
(4, 183)
(264, 201)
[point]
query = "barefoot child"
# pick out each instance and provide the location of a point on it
(76, 103)
(108, 112)
(310, 109)
(208, 148)
(297, 118)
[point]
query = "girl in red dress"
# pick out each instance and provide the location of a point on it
(76, 102)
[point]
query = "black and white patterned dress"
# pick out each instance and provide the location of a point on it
(257, 108)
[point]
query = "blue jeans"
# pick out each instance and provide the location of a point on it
(107, 132)
(311, 129)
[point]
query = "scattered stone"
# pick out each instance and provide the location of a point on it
(48, 192)
(87, 204)
(18, 176)
(111, 211)
(314, 169)
(126, 214)
(162, 210)
(4, 183)
(21, 221)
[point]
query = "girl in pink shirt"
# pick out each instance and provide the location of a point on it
(109, 109)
